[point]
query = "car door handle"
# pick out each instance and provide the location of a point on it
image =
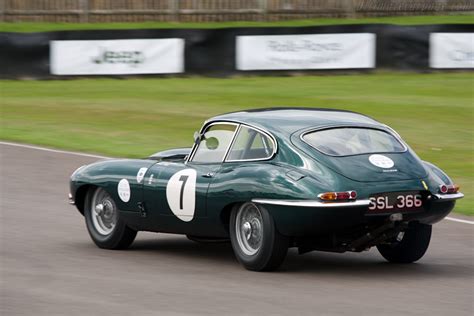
(208, 175)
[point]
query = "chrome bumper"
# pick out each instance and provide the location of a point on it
(71, 200)
(449, 197)
(310, 203)
(319, 204)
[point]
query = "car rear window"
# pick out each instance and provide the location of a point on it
(346, 141)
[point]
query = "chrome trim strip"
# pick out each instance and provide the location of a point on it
(258, 130)
(207, 124)
(312, 203)
(205, 128)
(234, 137)
(71, 201)
(449, 197)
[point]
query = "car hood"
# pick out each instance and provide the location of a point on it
(406, 165)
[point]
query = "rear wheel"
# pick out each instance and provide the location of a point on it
(256, 242)
(103, 221)
(412, 247)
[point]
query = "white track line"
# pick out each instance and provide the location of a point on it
(66, 152)
(459, 220)
(104, 157)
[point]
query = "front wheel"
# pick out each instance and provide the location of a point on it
(412, 247)
(103, 222)
(256, 242)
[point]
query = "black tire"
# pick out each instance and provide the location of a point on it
(411, 248)
(273, 247)
(120, 237)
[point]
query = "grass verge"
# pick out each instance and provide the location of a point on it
(403, 20)
(133, 118)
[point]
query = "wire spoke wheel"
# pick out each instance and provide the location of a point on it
(104, 212)
(104, 224)
(249, 229)
(256, 242)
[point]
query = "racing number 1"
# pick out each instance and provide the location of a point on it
(182, 179)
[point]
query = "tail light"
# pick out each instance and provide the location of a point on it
(338, 196)
(448, 188)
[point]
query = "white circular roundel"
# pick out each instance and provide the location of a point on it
(123, 190)
(181, 194)
(381, 161)
(141, 174)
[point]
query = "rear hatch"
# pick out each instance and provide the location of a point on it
(372, 166)
(359, 168)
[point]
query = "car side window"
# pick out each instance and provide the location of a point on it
(250, 144)
(214, 143)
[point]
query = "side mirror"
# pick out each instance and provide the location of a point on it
(212, 143)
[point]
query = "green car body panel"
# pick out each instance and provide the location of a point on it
(287, 183)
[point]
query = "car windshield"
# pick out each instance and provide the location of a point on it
(352, 141)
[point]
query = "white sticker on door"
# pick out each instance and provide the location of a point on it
(123, 190)
(181, 194)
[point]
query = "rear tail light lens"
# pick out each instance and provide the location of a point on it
(448, 188)
(338, 196)
(453, 188)
(443, 188)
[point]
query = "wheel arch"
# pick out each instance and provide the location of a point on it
(225, 214)
(438, 172)
(80, 198)
(293, 183)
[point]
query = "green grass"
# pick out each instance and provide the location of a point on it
(136, 117)
(404, 20)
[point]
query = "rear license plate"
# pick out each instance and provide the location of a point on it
(396, 202)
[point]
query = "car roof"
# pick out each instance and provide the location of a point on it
(289, 120)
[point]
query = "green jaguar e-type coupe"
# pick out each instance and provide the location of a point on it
(270, 179)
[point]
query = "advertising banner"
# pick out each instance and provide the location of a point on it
(117, 57)
(311, 51)
(452, 50)
(229, 51)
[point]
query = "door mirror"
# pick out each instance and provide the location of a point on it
(211, 146)
(212, 143)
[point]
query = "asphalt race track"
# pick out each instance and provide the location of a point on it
(49, 266)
